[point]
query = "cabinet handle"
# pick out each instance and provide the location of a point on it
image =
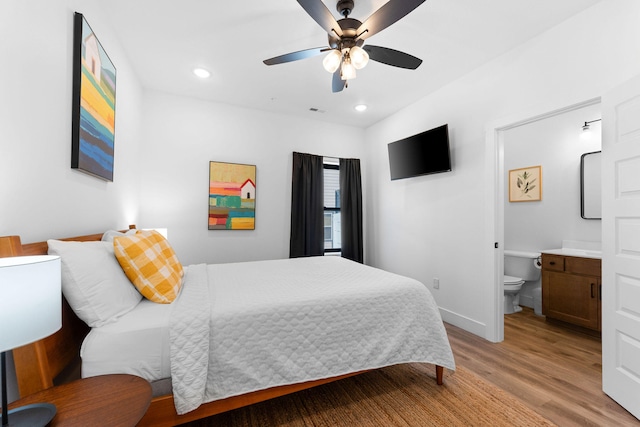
(600, 292)
(592, 289)
(552, 263)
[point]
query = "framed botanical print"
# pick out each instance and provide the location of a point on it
(525, 184)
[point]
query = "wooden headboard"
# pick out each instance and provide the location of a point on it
(40, 363)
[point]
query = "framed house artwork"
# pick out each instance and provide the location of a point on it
(525, 184)
(232, 196)
(94, 104)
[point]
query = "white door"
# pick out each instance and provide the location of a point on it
(621, 245)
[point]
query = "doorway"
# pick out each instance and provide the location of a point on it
(554, 144)
(499, 135)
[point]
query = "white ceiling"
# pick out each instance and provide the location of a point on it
(166, 39)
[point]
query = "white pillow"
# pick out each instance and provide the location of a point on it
(93, 282)
(109, 235)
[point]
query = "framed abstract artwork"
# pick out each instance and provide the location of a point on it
(232, 196)
(525, 184)
(94, 104)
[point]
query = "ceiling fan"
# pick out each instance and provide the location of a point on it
(347, 51)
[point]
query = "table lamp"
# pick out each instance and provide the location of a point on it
(30, 309)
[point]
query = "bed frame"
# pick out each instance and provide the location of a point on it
(53, 358)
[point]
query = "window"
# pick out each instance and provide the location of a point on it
(332, 237)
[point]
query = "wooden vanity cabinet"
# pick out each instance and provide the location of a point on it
(571, 290)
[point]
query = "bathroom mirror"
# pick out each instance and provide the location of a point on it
(590, 186)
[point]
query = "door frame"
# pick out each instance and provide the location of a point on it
(494, 166)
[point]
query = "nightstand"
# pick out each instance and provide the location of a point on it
(106, 400)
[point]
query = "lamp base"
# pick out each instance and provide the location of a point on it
(35, 415)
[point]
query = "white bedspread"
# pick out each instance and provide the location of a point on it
(189, 335)
(289, 321)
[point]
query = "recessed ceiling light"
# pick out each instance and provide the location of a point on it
(360, 107)
(201, 72)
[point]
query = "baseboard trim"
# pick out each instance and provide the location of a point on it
(466, 323)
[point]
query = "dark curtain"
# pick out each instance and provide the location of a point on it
(307, 206)
(351, 209)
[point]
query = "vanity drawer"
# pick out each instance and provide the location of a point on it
(553, 262)
(586, 266)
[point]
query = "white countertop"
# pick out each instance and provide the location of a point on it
(577, 248)
(574, 252)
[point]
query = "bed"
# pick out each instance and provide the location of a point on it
(270, 333)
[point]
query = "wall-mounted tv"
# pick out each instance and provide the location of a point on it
(421, 154)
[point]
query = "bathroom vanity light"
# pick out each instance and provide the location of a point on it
(586, 129)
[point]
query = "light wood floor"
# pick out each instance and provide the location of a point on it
(555, 371)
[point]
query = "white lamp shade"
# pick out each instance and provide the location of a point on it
(331, 62)
(30, 299)
(359, 57)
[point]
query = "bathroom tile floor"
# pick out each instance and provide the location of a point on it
(555, 371)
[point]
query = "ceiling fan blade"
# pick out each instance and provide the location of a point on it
(319, 12)
(295, 56)
(337, 84)
(392, 57)
(389, 13)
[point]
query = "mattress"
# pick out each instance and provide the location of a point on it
(137, 344)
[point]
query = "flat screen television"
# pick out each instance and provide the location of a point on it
(421, 154)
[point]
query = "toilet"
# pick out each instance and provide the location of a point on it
(518, 267)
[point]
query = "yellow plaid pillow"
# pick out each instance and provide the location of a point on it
(151, 264)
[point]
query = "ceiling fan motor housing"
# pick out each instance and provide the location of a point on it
(349, 27)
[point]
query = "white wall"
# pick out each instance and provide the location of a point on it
(41, 195)
(554, 143)
(182, 135)
(443, 225)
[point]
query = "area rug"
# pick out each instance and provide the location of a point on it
(403, 395)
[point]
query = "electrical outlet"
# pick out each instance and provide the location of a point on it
(436, 283)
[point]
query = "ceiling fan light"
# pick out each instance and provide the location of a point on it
(348, 71)
(331, 62)
(359, 57)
